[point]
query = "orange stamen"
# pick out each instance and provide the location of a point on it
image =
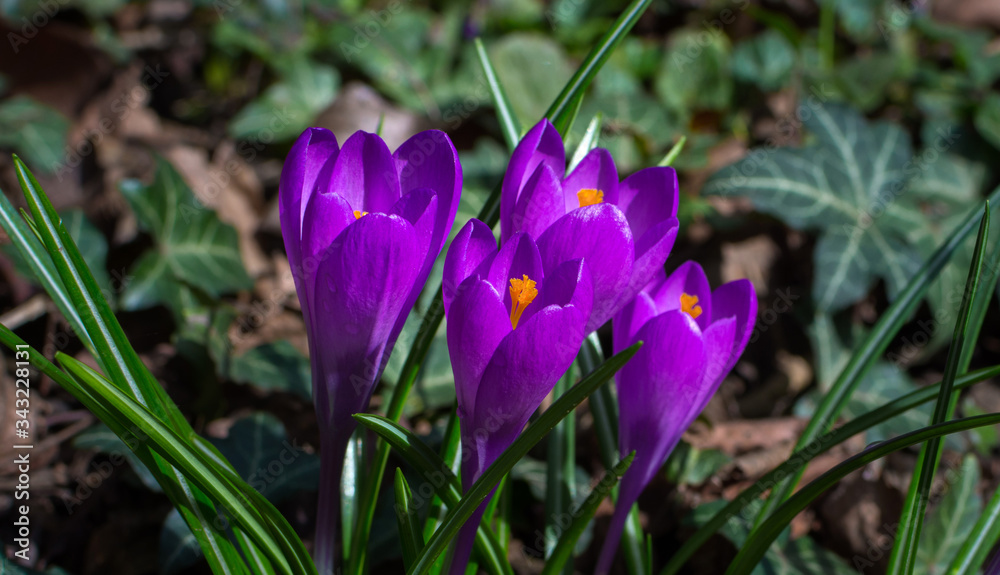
(522, 292)
(689, 305)
(589, 197)
(358, 214)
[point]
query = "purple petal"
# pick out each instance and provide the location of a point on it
(477, 323)
(596, 171)
(657, 387)
(472, 250)
(568, 284)
(648, 197)
(718, 340)
(688, 279)
(518, 257)
(364, 174)
(600, 235)
(429, 160)
(361, 289)
(311, 151)
(521, 373)
(630, 319)
(736, 299)
(541, 145)
(539, 205)
(326, 217)
(419, 207)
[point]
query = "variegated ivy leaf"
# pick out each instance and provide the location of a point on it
(849, 184)
(193, 247)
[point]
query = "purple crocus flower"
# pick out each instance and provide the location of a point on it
(362, 227)
(692, 338)
(513, 330)
(624, 230)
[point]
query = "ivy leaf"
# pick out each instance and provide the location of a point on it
(694, 74)
(289, 106)
(261, 453)
(35, 131)
(860, 17)
(688, 465)
(988, 119)
(766, 60)
(193, 247)
(849, 185)
(948, 526)
(273, 366)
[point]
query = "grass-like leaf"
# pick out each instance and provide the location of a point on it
(674, 151)
(531, 436)
(439, 475)
(560, 487)
(406, 519)
(604, 409)
(565, 105)
(762, 537)
(562, 554)
(129, 419)
(904, 552)
(34, 255)
(873, 346)
(127, 372)
(588, 142)
(800, 458)
(509, 125)
(121, 362)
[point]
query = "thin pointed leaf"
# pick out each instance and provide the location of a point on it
(560, 484)
(873, 346)
(673, 153)
(588, 142)
(119, 359)
(451, 460)
(32, 250)
(563, 109)
(904, 552)
(118, 408)
(761, 538)
(604, 409)
(406, 518)
(509, 125)
(562, 554)
(531, 436)
(438, 475)
(798, 460)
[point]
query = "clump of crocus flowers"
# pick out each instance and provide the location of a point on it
(362, 227)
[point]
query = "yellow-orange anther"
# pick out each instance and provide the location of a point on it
(358, 214)
(522, 292)
(689, 305)
(589, 197)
